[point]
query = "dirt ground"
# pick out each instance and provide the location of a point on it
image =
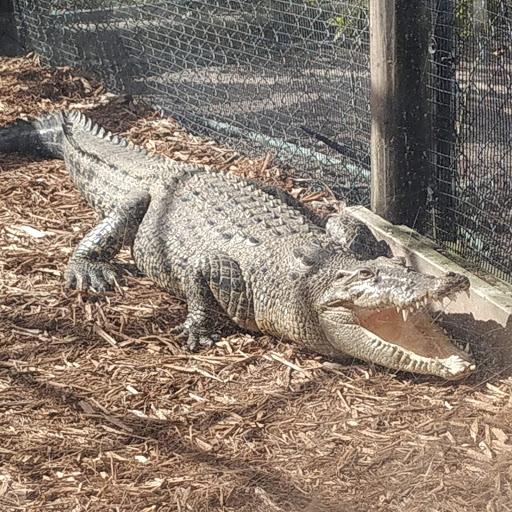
(102, 410)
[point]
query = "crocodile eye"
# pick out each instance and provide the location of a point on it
(365, 273)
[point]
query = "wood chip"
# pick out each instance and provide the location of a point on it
(102, 409)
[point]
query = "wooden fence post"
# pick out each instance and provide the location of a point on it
(400, 110)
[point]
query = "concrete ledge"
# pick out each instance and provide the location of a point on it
(491, 298)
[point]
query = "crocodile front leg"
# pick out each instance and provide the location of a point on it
(216, 289)
(90, 267)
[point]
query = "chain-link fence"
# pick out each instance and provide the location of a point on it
(471, 91)
(293, 77)
(9, 44)
(269, 75)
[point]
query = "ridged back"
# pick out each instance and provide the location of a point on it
(104, 146)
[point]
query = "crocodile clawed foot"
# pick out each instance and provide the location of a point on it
(195, 342)
(84, 274)
(179, 329)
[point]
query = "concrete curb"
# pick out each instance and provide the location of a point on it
(491, 298)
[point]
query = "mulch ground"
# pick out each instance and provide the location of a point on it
(102, 410)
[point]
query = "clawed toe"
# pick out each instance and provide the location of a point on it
(83, 274)
(209, 341)
(196, 342)
(179, 329)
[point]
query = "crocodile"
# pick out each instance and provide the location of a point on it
(238, 250)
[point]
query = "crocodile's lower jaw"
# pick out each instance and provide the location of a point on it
(453, 367)
(383, 337)
(416, 345)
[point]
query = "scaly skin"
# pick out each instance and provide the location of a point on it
(234, 248)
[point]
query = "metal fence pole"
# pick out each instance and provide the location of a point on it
(400, 110)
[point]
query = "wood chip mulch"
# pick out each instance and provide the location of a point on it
(102, 410)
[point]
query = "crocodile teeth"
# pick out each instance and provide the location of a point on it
(466, 348)
(425, 301)
(405, 314)
(398, 309)
(468, 294)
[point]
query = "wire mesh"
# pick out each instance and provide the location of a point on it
(293, 77)
(290, 77)
(471, 91)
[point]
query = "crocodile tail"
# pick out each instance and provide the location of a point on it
(37, 137)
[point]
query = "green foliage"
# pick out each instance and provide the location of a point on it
(351, 21)
(465, 16)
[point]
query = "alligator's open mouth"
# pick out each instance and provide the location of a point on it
(407, 338)
(418, 335)
(418, 338)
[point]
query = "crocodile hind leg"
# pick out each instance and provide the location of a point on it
(90, 267)
(216, 290)
(203, 314)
